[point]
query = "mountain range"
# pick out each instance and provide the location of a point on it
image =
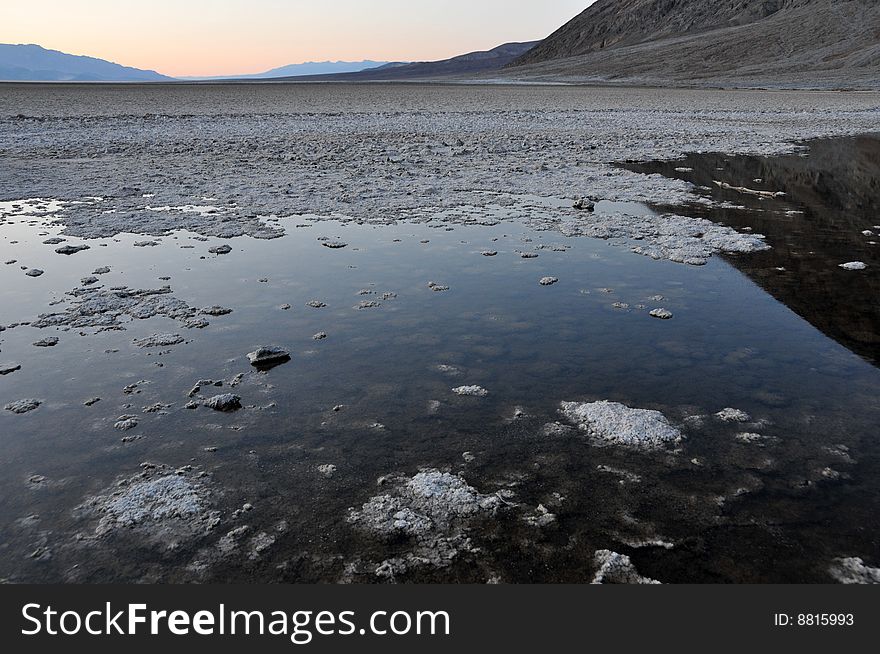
(307, 68)
(465, 65)
(799, 43)
(35, 63)
(829, 44)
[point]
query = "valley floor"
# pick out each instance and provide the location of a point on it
(511, 356)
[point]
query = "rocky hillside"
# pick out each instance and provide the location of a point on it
(485, 61)
(823, 43)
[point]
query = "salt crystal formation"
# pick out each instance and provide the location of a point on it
(432, 509)
(852, 570)
(97, 307)
(614, 568)
(471, 391)
(611, 423)
(430, 501)
(164, 506)
(159, 340)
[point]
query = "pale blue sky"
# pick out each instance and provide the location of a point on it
(216, 37)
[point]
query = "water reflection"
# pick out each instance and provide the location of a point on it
(829, 215)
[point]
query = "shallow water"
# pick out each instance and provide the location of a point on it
(827, 214)
(780, 510)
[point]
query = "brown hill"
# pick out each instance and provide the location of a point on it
(462, 65)
(802, 43)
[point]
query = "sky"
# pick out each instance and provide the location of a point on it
(220, 37)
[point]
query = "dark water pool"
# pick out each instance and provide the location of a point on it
(718, 510)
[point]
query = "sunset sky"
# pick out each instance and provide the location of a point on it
(219, 37)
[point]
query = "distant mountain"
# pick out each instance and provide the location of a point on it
(321, 68)
(466, 64)
(740, 42)
(298, 70)
(35, 63)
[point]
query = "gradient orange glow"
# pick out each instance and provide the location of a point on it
(222, 37)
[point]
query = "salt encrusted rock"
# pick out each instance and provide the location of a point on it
(613, 423)
(852, 570)
(316, 304)
(71, 249)
(49, 341)
(215, 311)
(334, 245)
(471, 391)
(103, 270)
(367, 304)
(220, 249)
(159, 340)
(584, 204)
(662, 314)
(439, 288)
(226, 402)
(268, 355)
(489, 253)
(34, 272)
(548, 281)
(8, 368)
(614, 568)
(854, 265)
(55, 240)
(733, 415)
(124, 423)
(23, 406)
(320, 336)
(146, 244)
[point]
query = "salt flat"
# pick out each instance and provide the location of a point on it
(372, 333)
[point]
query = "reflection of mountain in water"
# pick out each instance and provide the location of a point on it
(836, 186)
